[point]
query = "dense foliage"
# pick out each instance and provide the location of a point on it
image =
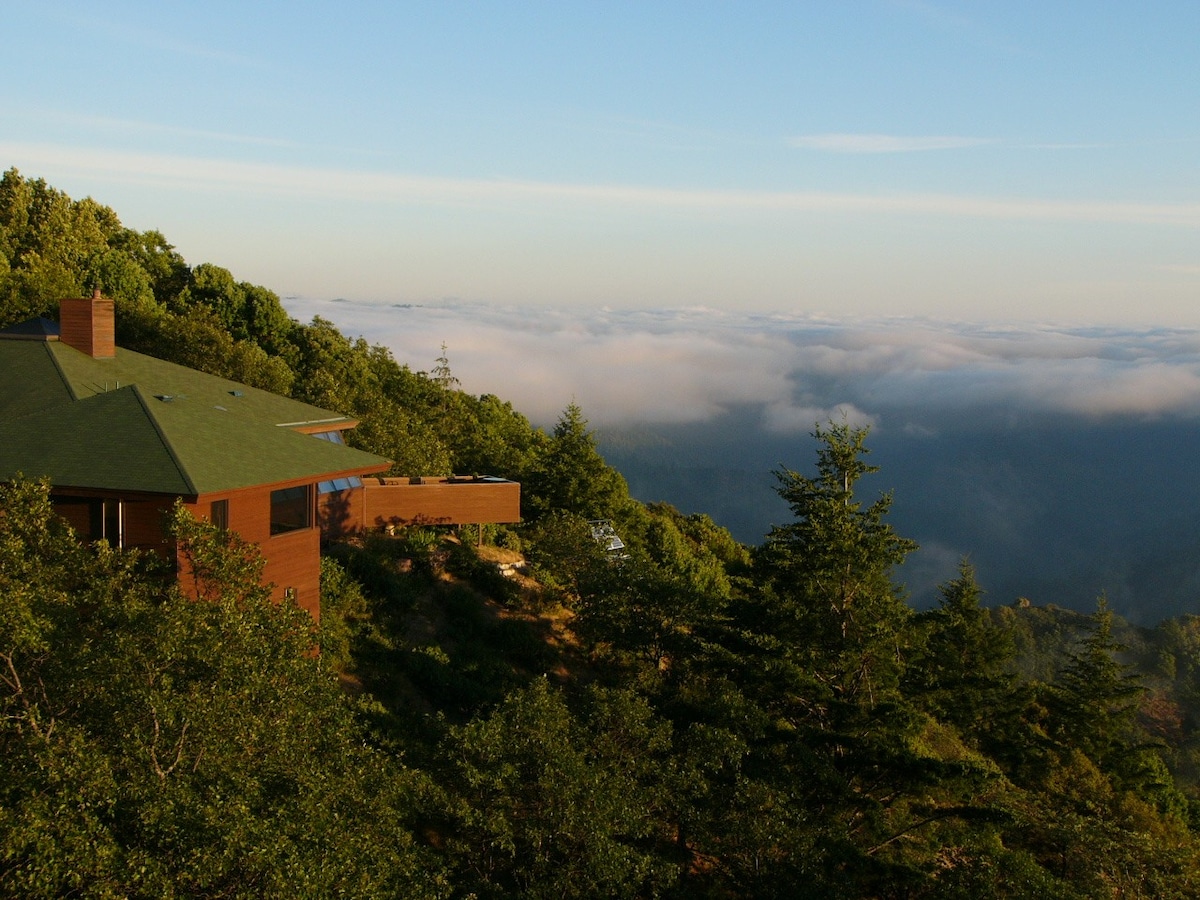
(157, 746)
(682, 717)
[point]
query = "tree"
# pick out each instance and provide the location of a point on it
(196, 339)
(47, 240)
(214, 287)
(962, 671)
(1098, 694)
(264, 320)
(658, 600)
(859, 777)
(118, 276)
(831, 570)
(495, 439)
(571, 475)
(166, 268)
(549, 804)
(152, 745)
(441, 374)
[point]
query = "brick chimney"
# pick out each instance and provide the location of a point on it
(88, 324)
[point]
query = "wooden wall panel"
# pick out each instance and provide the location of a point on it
(78, 516)
(440, 501)
(340, 513)
(294, 566)
(291, 560)
(145, 517)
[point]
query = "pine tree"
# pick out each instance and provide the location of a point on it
(961, 673)
(841, 760)
(571, 475)
(441, 374)
(1098, 693)
(831, 570)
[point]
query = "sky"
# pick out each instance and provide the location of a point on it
(972, 162)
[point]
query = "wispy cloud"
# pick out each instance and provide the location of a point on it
(106, 30)
(139, 127)
(885, 143)
(207, 175)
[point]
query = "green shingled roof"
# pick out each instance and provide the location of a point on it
(135, 423)
(29, 378)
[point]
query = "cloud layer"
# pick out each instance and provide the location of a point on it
(1056, 460)
(688, 366)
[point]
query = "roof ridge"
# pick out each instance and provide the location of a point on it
(66, 380)
(153, 418)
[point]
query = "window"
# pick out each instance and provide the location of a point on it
(339, 484)
(94, 519)
(108, 521)
(218, 514)
(291, 509)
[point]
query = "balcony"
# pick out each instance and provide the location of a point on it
(456, 500)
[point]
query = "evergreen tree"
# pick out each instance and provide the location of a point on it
(441, 374)
(962, 672)
(863, 782)
(571, 475)
(547, 805)
(1098, 694)
(830, 572)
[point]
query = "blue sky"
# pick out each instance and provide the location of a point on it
(1001, 161)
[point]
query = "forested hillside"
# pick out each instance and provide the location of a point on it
(686, 717)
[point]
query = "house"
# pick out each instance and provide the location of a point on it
(121, 436)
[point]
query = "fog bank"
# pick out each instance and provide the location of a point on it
(1061, 461)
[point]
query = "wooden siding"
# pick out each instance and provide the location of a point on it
(77, 515)
(340, 513)
(294, 568)
(439, 501)
(145, 523)
(292, 561)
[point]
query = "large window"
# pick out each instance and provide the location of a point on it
(219, 514)
(291, 509)
(94, 519)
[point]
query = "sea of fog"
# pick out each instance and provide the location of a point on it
(1060, 461)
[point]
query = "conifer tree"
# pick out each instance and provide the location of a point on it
(832, 629)
(441, 374)
(571, 475)
(961, 673)
(831, 570)
(1099, 693)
